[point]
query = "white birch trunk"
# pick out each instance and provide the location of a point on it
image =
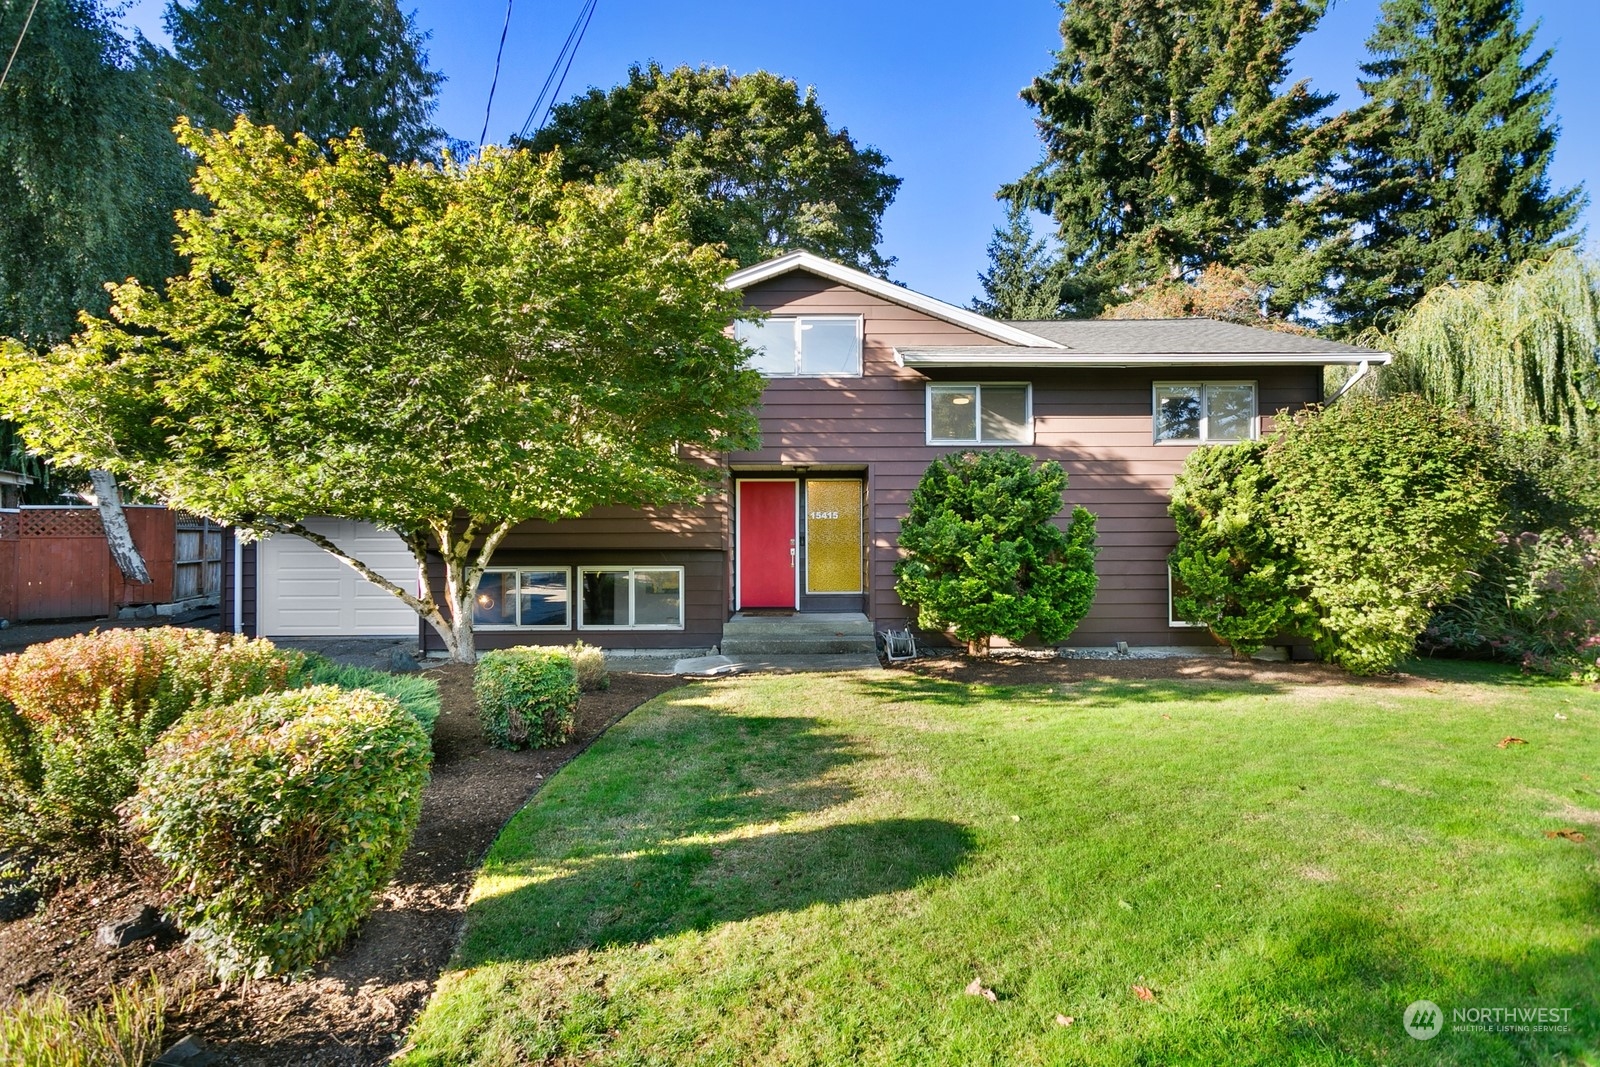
(119, 538)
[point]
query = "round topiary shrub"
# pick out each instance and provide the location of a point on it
(279, 818)
(527, 697)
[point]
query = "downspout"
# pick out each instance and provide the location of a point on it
(1361, 372)
(238, 584)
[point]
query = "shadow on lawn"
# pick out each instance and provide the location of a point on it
(670, 825)
(679, 888)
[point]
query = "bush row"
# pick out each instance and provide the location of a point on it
(276, 791)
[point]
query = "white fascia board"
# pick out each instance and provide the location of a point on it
(915, 358)
(896, 294)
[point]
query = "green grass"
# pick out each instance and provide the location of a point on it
(416, 693)
(811, 870)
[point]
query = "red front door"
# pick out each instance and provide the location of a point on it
(766, 549)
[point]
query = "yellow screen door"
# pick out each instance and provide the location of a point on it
(833, 536)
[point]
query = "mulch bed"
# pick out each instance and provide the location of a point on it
(355, 1008)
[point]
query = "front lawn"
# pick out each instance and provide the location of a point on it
(812, 869)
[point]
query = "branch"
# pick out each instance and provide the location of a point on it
(420, 606)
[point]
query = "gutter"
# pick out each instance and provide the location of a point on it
(1361, 372)
(238, 584)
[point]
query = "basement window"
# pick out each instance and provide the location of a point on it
(804, 346)
(538, 598)
(631, 598)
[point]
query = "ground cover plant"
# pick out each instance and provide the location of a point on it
(417, 693)
(44, 1030)
(1256, 871)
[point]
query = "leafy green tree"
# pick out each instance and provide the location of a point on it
(443, 351)
(1520, 353)
(1172, 141)
(749, 159)
(1024, 280)
(91, 173)
(984, 555)
(1385, 507)
(1230, 572)
(307, 66)
(1446, 178)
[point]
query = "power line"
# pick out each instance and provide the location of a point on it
(496, 79)
(18, 46)
(551, 89)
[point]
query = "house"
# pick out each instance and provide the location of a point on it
(869, 382)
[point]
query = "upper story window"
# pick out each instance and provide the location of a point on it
(1205, 412)
(805, 346)
(980, 414)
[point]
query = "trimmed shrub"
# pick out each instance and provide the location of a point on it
(45, 1031)
(527, 697)
(1230, 573)
(76, 716)
(590, 664)
(1386, 506)
(417, 693)
(984, 556)
(279, 818)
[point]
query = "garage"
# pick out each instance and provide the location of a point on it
(305, 592)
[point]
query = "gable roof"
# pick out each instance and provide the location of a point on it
(1006, 333)
(1072, 342)
(1146, 342)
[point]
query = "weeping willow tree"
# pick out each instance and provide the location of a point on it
(1523, 354)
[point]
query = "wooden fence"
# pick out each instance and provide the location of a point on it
(54, 563)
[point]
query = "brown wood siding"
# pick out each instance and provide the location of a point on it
(1095, 422)
(704, 607)
(247, 597)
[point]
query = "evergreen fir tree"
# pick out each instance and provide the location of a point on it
(1172, 142)
(318, 67)
(1446, 178)
(1024, 280)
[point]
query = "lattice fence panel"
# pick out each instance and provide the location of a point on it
(61, 522)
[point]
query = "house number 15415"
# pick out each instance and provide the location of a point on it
(824, 514)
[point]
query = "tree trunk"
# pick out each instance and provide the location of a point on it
(119, 538)
(978, 647)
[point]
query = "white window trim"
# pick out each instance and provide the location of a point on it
(632, 586)
(927, 414)
(860, 322)
(1172, 618)
(1205, 418)
(514, 627)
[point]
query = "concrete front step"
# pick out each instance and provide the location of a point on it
(833, 633)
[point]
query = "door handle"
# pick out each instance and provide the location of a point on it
(791, 554)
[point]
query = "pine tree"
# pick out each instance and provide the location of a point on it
(1446, 179)
(1024, 280)
(318, 67)
(1172, 142)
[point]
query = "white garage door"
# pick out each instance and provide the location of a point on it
(305, 592)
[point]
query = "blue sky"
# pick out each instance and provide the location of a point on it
(933, 84)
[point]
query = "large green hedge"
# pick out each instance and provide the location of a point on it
(279, 818)
(1350, 525)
